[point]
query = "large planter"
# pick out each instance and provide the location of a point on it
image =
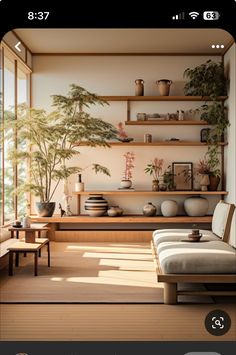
(45, 209)
(196, 206)
(96, 205)
(214, 182)
(169, 208)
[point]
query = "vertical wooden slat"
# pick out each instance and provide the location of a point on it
(3, 169)
(15, 168)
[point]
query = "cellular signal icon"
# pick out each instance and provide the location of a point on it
(194, 14)
(178, 17)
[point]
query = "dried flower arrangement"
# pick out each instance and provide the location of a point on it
(129, 165)
(154, 168)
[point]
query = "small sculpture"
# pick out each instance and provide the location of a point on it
(63, 212)
(180, 114)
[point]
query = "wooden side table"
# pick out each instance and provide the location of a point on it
(22, 247)
(30, 234)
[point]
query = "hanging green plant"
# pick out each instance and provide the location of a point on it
(207, 79)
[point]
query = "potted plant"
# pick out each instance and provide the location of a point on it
(154, 169)
(210, 174)
(208, 79)
(168, 179)
(54, 138)
(126, 182)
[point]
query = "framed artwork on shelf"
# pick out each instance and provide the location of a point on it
(204, 134)
(183, 175)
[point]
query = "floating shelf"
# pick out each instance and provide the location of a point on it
(122, 219)
(167, 123)
(154, 144)
(161, 98)
(148, 192)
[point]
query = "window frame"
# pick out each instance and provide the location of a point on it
(6, 52)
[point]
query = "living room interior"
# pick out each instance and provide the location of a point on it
(135, 147)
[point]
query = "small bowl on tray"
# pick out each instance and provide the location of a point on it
(194, 237)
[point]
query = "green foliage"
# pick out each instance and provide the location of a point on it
(168, 178)
(154, 168)
(54, 138)
(206, 79)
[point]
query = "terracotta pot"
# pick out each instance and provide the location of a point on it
(214, 182)
(155, 185)
(139, 88)
(164, 86)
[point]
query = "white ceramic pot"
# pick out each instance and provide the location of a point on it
(79, 186)
(169, 208)
(114, 211)
(196, 206)
(125, 184)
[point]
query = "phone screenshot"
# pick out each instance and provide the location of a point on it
(117, 179)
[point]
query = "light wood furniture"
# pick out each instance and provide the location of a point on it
(23, 247)
(30, 233)
(171, 281)
(143, 193)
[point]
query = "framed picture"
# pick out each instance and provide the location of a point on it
(183, 175)
(204, 134)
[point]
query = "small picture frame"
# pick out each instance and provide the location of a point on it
(183, 176)
(204, 134)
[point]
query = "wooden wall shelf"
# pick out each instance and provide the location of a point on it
(161, 98)
(122, 219)
(148, 192)
(155, 144)
(167, 123)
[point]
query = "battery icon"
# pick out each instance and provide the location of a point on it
(211, 15)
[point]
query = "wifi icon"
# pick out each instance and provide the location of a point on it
(194, 14)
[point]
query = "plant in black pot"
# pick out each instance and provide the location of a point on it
(53, 139)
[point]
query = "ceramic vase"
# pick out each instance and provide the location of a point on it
(204, 182)
(196, 206)
(149, 210)
(79, 185)
(155, 185)
(139, 87)
(214, 182)
(169, 208)
(96, 205)
(26, 221)
(164, 86)
(114, 211)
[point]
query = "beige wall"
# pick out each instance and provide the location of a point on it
(110, 75)
(230, 163)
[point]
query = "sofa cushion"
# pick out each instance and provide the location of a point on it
(212, 257)
(220, 217)
(4, 234)
(174, 235)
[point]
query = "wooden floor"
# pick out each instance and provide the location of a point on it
(110, 322)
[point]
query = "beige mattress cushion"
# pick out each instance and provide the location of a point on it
(174, 235)
(4, 234)
(213, 257)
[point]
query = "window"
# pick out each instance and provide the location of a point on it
(14, 91)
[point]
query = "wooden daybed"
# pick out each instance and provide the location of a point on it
(212, 260)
